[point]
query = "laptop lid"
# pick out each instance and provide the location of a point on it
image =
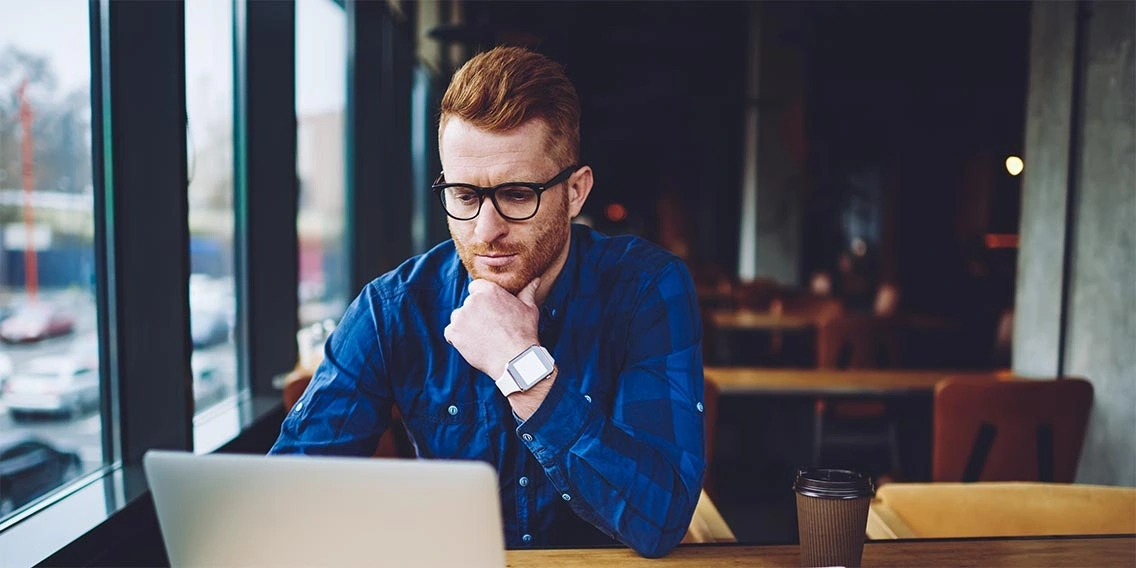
(251, 510)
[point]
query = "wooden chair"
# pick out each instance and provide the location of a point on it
(857, 341)
(1020, 430)
(819, 309)
(707, 524)
(710, 417)
(999, 509)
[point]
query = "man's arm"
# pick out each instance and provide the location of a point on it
(638, 474)
(347, 405)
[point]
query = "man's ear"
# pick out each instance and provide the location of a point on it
(579, 187)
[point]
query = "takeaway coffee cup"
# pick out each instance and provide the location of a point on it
(832, 515)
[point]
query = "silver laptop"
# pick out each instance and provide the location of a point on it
(247, 510)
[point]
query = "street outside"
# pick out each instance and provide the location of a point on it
(83, 434)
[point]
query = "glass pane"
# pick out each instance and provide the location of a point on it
(321, 105)
(209, 137)
(50, 427)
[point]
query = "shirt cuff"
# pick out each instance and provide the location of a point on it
(557, 423)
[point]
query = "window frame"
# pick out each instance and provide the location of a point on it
(267, 195)
(380, 189)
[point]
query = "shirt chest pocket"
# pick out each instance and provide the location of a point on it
(452, 430)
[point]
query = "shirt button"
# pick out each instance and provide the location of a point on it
(453, 410)
(524, 481)
(699, 406)
(299, 406)
(566, 497)
(526, 437)
(588, 398)
(526, 537)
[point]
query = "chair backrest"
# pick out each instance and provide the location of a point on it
(859, 341)
(294, 386)
(710, 417)
(1015, 430)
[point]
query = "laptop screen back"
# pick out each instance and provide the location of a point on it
(247, 510)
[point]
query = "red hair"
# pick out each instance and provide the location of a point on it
(505, 87)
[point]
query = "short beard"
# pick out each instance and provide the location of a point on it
(535, 257)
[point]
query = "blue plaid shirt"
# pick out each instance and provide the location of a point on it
(615, 451)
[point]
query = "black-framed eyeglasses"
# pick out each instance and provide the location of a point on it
(515, 200)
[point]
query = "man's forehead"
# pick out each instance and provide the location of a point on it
(457, 132)
(467, 151)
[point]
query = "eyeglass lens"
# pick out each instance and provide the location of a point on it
(513, 201)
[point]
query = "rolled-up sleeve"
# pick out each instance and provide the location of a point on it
(347, 405)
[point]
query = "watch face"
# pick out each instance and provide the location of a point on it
(534, 364)
(530, 368)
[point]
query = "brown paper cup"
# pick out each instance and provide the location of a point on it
(832, 530)
(832, 516)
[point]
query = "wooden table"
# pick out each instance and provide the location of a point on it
(1053, 552)
(721, 323)
(745, 319)
(755, 320)
(837, 382)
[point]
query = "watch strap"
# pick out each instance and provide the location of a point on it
(507, 384)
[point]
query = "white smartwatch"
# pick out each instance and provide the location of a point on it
(532, 366)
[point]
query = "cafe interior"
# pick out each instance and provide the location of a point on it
(911, 225)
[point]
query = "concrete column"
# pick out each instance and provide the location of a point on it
(1037, 304)
(1101, 329)
(1092, 332)
(773, 182)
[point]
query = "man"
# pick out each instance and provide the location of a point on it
(568, 360)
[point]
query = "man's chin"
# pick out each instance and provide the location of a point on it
(508, 280)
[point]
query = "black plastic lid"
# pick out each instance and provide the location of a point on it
(833, 483)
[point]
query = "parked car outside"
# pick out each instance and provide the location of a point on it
(36, 322)
(53, 384)
(208, 327)
(85, 349)
(208, 388)
(29, 468)
(6, 311)
(5, 370)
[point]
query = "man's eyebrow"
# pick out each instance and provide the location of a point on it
(509, 178)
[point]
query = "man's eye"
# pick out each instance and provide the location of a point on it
(519, 194)
(465, 198)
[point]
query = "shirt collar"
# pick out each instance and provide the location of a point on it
(568, 280)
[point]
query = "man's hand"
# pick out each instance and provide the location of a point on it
(492, 327)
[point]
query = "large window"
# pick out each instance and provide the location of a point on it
(321, 106)
(50, 424)
(209, 139)
(142, 211)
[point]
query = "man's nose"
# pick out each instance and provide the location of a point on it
(489, 224)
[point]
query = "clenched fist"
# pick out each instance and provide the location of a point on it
(492, 327)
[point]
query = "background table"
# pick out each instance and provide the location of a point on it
(757, 320)
(837, 382)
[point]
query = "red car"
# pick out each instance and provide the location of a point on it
(35, 322)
